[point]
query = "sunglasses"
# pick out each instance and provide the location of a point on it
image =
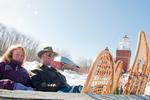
(51, 55)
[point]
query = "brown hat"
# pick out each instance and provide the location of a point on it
(46, 49)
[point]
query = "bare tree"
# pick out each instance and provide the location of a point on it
(9, 36)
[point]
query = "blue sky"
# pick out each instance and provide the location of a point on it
(81, 27)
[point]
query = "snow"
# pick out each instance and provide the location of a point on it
(147, 89)
(72, 77)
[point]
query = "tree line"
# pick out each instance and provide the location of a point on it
(9, 36)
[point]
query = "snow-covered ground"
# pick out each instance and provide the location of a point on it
(72, 77)
(147, 89)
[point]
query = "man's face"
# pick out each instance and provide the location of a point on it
(46, 58)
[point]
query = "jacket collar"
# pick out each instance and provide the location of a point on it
(15, 64)
(47, 67)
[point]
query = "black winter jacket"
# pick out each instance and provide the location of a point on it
(48, 79)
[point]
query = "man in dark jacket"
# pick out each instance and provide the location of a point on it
(47, 78)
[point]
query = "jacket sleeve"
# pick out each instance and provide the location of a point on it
(5, 83)
(28, 80)
(2, 65)
(42, 85)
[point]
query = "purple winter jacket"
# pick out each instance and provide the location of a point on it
(12, 73)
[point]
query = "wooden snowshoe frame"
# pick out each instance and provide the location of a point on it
(139, 73)
(101, 78)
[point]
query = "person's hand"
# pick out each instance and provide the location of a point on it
(76, 69)
(68, 66)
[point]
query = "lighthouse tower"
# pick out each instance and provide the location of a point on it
(123, 53)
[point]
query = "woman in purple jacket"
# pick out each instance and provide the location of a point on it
(12, 75)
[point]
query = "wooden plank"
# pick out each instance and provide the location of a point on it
(26, 95)
(18, 94)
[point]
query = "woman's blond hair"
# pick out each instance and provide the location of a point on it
(7, 56)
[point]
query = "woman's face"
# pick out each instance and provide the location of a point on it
(18, 55)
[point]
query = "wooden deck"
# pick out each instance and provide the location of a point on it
(37, 95)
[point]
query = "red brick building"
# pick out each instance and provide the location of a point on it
(123, 53)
